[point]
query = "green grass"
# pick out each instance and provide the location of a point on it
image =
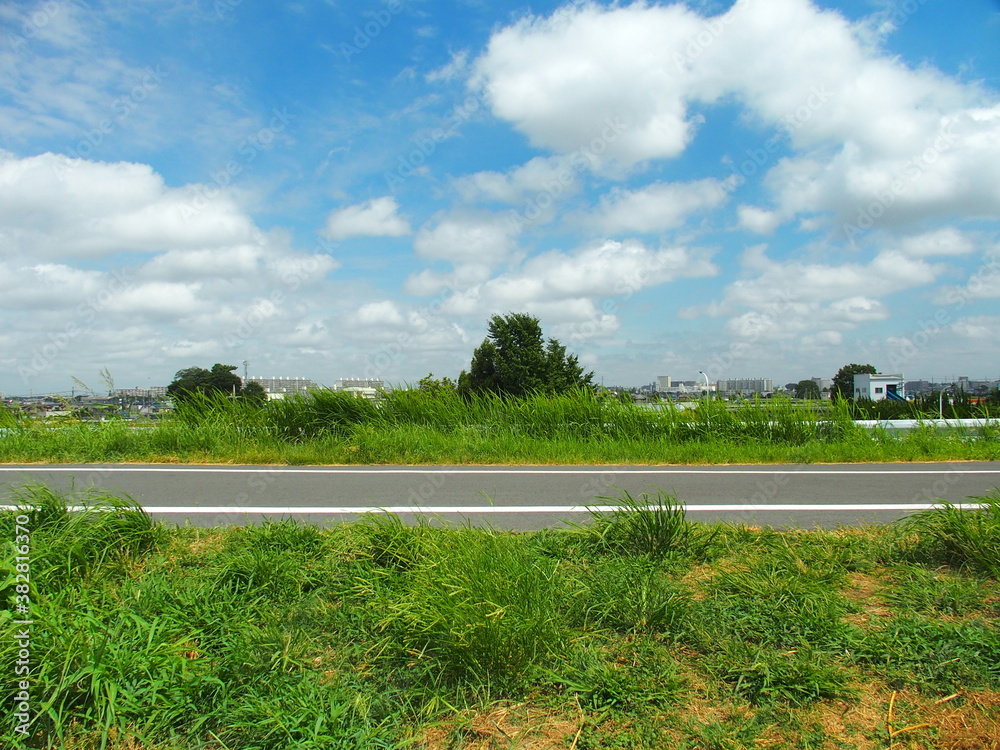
(640, 629)
(414, 427)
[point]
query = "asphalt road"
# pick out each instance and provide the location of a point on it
(520, 498)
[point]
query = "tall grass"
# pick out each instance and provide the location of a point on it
(415, 426)
(965, 538)
(652, 525)
(384, 635)
(481, 606)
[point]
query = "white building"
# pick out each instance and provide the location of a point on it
(745, 386)
(879, 387)
(663, 383)
(368, 388)
(825, 386)
(278, 388)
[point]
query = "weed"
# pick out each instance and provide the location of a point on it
(631, 596)
(652, 524)
(945, 656)
(482, 607)
(796, 676)
(917, 589)
(968, 538)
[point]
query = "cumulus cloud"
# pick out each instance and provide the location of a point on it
(105, 261)
(982, 283)
(593, 79)
(888, 272)
(656, 207)
(981, 328)
(375, 218)
(946, 241)
(758, 220)
(429, 282)
(55, 207)
(479, 238)
(897, 142)
(554, 175)
(236, 261)
(567, 281)
(379, 314)
(789, 300)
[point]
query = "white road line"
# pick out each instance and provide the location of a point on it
(431, 470)
(485, 509)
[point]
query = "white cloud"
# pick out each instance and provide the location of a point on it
(54, 207)
(45, 285)
(230, 262)
(865, 128)
(159, 299)
(182, 273)
(982, 328)
(564, 282)
(758, 220)
(429, 282)
(375, 218)
(823, 340)
(786, 301)
(454, 68)
(384, 313)
(857, 310)
(555, 176)
(656, 207)
(946, 241)
(478, 238)
(888, 272)
(983, 283)
(574, 79)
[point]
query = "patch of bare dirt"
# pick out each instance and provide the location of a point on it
(865, 590)
(886, 720)
(506, 726)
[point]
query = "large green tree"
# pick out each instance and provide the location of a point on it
(514, 360)
(843, 381)
(192, 380)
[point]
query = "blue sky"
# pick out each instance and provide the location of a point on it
(767, 188)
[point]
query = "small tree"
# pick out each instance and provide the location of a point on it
(437, 386)
(254, 393)
(191, 380)
(513, 360)
(807, 389)
(843, 381)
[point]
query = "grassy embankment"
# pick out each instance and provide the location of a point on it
(640, 630)
(413, 427)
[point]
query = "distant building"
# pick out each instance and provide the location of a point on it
(745, 386)
(279, 388)
(151, 392)
(663, 383)
(825, 386)
(879, 387)
(920, 387)
(368, 388)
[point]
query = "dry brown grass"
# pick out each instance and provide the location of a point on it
(864, 590)
(506, 726)
(887, 720)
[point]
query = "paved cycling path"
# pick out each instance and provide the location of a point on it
(523, 497)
